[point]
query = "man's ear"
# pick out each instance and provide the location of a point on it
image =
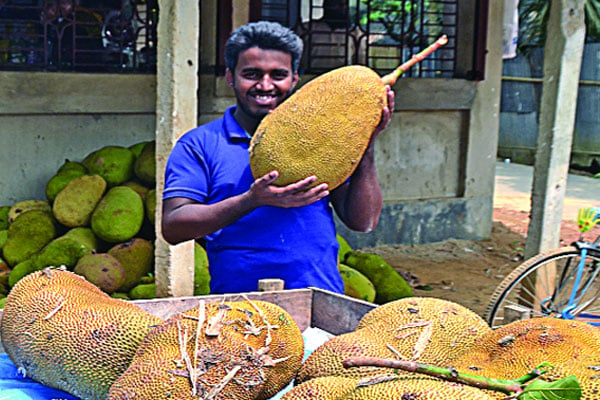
(229, 77)
(295, 80)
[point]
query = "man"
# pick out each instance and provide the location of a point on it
(252, 228)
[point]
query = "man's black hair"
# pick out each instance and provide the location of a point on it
(265, 35)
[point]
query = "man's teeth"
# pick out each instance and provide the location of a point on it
(265, 98)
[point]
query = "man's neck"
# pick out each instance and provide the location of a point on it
(248, 123)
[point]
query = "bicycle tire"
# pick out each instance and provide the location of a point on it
(505, 299)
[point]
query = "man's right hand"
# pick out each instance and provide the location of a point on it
(296, 194)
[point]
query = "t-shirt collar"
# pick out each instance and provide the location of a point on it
(233, 129)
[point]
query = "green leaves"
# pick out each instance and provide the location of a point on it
(564, 389)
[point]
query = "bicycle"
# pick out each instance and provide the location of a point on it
(561, 283)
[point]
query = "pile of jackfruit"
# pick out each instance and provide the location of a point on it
(97, 220)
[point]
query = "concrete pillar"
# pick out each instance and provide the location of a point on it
(176, 112)
(562, 62)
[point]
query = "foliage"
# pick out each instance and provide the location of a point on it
(410, 22)
(533, 18)
(564, 389)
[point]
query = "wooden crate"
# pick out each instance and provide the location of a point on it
(311, 307)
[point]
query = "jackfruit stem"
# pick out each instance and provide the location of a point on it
(393, 76)
(508, 386)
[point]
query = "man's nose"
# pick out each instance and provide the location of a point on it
(266, 83)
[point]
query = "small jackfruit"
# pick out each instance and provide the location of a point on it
(65, 174)
(74, 204)
(4, 217)
(84, 236)
(119, 215)
(64, 332)
(344, 248)
(3, 238)
(113, 163)
(201, 272)
(101, 269)
(145, 164)
(27, 235)
(60, 251)
(137, 148)
(27, 205)
(389, 284)
(356, 284)
(143, 291)
(137, 258)
(150, 206)
(19, 271)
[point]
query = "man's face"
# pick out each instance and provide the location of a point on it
(262, 80)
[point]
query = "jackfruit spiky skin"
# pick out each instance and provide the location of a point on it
(454, 329)
(515, 349)
(102, 270)
(420, 389)
(389, 284)
(27, 235)
(119, 215)
(113, 163)
(159, 371)
(327, 359)
(75, 203)
(356, 284)
(27, 205)
(323, 129)
(323, 388)
(137, 258)
(64, 332)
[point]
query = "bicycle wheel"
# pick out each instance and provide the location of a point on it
(548, 285)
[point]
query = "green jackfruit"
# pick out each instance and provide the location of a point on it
(84, 236)
(356, 284)
(119, 295)
(119, 215)
(138, 187)
(150, 206)
(19, 271)
(60, 251)
(137, 258)
(113, 163)
(137, 148)
(4, 217)
(2, 302)
(28, 235)
(389, 284)
(27, 205)
(3, 237)
(344, 248)
(143, 291)
(201, 273)
(73, 206)
(72, 166)
(145, 165)
(59, 181)
(103, 270)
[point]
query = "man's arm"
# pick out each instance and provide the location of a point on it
(185, 219)
(358, 202)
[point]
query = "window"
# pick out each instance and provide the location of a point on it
(78, 35)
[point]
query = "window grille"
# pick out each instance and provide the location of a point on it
(378, 33)
(78, 35)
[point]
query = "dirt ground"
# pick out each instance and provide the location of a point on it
(467, 272)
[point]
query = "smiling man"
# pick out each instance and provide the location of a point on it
(251, 228)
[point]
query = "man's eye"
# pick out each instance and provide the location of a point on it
(280, 76)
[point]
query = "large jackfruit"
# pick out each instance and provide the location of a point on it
(323, 388)
(232, 350)
(356, 284)
(62, 331)
(323, 129)
(119, 215)
(27, 235)
(74, 204)
(113, 163)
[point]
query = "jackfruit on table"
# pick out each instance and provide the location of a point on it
(113, 163)
(322, 388)
(75, 203)
(258, 343)
(137, 258)
(28, 235)
(389, 284)
(119, 215)
(101, 269)
(65, 333)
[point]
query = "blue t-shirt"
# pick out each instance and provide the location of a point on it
(211, 163)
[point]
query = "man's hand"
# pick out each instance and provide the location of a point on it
(295, 194)
(386, 115)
